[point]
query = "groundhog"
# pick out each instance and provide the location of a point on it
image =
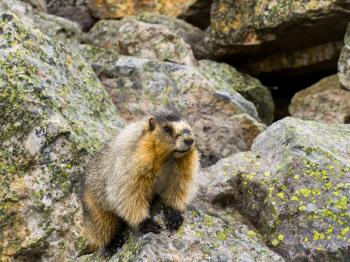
(155, 155)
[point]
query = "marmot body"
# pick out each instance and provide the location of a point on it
(153, 155)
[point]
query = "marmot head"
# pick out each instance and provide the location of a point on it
(172, 134)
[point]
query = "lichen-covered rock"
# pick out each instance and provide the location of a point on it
(53, 26)
(324, 102)
(122, 8)
(298, 38)
(344, 62)
(196, 38)
(208, 234)
(294, 186)
(251, 88)
(53, 113)
(99, 58)
(248, 23)
(224, 122)
(136, 38)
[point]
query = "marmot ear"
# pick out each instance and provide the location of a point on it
(152, 123)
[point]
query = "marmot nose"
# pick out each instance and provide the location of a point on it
(189, 141)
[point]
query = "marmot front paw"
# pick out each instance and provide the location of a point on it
(173, 217)
(149, 225)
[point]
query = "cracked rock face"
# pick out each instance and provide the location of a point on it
(294, 186)
(54, 112)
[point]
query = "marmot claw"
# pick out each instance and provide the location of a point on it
(149, 226)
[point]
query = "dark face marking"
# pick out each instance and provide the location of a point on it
(168, 117)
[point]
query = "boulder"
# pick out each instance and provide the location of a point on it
(224, 121)
(193, 36)
(324, 102)
(344, 62)
(54, 114)
(53, 26)
(208, 234)
(277, 22)
(132, 37)
(122, 8)
(249, 87)
(279, 34)
(294, 187)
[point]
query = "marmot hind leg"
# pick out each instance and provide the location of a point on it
(100, 226)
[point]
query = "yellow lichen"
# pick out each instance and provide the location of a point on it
(275, 242)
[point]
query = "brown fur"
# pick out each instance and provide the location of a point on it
(121, 180)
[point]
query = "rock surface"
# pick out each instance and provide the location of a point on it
(224, 122)
(250, 88)
(122, 8)
(208, 234)
(53, 26)
(136, 38)
(294, 186)
(324, 102)
(277, 22)
(78, 14)
(53, 4)
(268, 36)
(318, 58)
(53, 113)
(196, 38)
(344, 62)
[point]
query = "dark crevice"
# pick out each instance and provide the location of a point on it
(347, 119)
(284, 85)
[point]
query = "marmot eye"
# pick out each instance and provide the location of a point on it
(167, 129)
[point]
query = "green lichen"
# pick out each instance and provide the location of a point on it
(208, 220)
